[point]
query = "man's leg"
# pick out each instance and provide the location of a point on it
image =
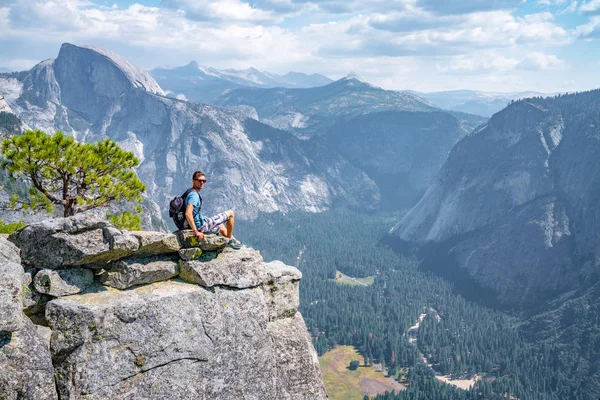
(230, 223)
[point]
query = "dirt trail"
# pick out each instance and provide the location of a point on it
(412, 338)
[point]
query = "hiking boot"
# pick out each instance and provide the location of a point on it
(234, 244)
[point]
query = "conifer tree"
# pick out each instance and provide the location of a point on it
(76, 176)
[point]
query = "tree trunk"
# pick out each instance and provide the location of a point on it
(70, 208)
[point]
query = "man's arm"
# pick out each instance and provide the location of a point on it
(189, 216)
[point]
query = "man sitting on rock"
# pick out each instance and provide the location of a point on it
(199, 223)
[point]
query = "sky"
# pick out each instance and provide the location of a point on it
(425, 45)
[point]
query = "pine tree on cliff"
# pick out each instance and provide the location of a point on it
(76, 176)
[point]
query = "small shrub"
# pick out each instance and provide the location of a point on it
(11, 227)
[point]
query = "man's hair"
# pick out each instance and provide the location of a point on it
(197, 174)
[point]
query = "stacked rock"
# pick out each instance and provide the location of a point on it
(25, 362)
(157, 315)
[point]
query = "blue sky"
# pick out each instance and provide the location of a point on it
(425, 45)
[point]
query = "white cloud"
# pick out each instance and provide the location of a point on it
(589, 30)
(445, 7)
(480, 62)
(492, 61)
(395, 49)
(489, 30)
(551, 2)
(223, 10)
(590, 7)
(4, 20)
(570, 9)
(541, 61)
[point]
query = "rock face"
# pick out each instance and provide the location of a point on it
(63, 242)
(282, 289)
(210, 242)
(11, 317)
(34, 302)
(242, 268)
(177, 340)
(62, 282)
(232, 331)
(515, 204)
(152, 243)
(26, 365)
(25, 362)
(128, 272)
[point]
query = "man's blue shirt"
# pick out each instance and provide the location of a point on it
(194, 199)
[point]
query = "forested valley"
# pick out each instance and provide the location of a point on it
(552, 355)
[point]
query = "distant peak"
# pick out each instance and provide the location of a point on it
(193, 64)
(76, 58)
(353, 75)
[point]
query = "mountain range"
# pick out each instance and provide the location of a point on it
(91, 93)
(311, 109)
(206, 84)
(514, 207)
(203, 84)
(399, 139)
(254, 165)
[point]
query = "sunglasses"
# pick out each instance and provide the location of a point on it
(201, 180)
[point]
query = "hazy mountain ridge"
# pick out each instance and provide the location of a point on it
(87, 94)
(476, 102)
(514, 205)
(310, 108)
(204, 84)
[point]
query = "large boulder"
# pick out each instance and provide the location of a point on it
(153, 243)
(62, 282)
(242, 268)
(132, 271)
(25, 365)
(11, 275)
(78, 240)
(34, 302)
(282, 289)
(178, 340)
(210, 243)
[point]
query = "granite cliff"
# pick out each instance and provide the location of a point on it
(147, 315)
(514, 206)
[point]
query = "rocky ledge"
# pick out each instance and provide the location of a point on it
(89, 311)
